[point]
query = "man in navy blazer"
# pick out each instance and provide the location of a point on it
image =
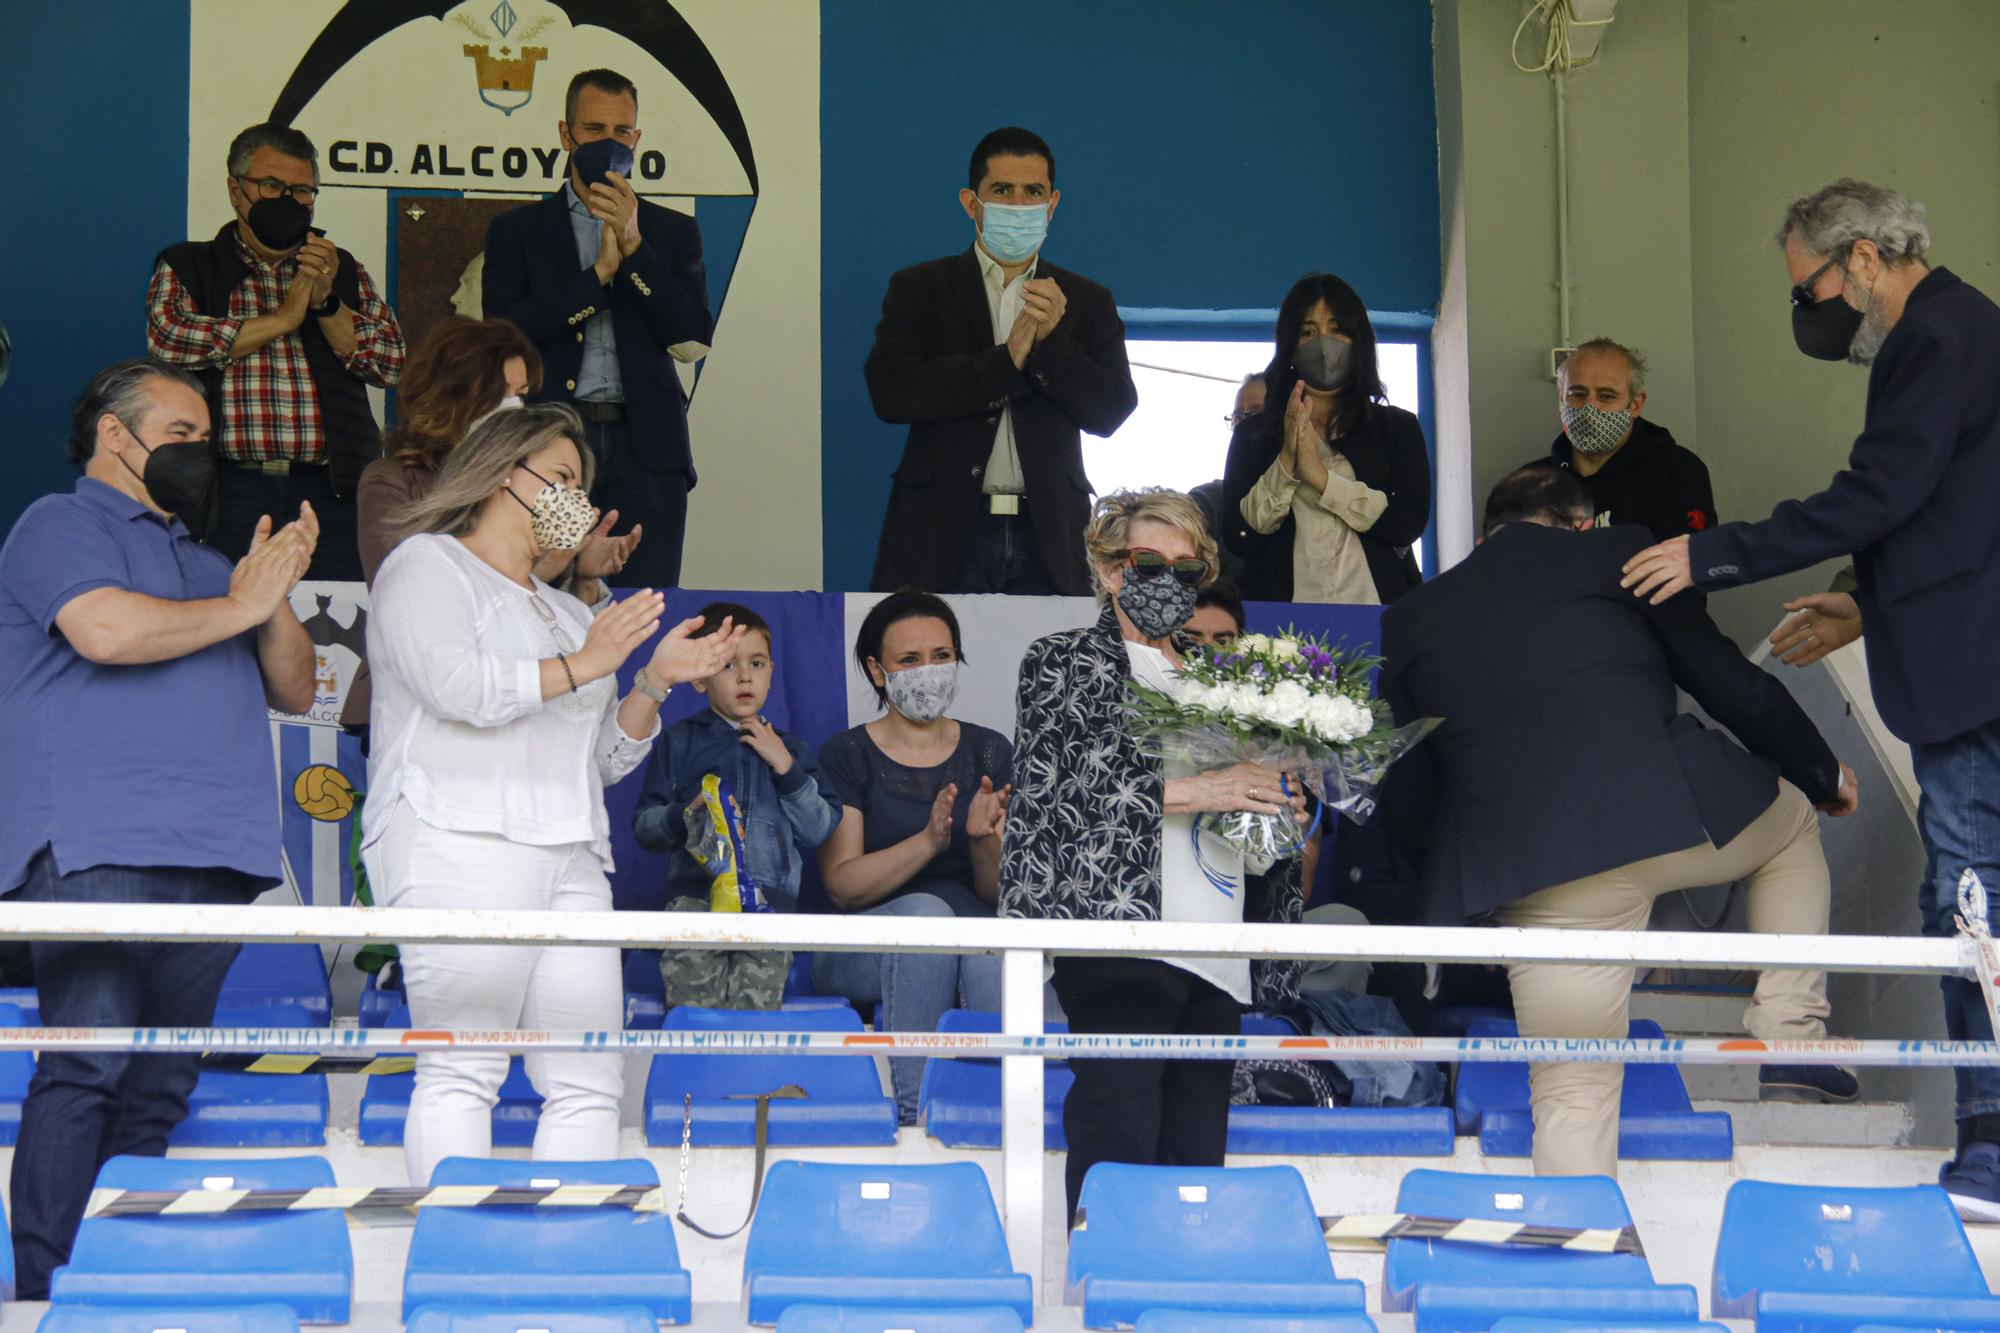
(612, 292)
(1917, 509)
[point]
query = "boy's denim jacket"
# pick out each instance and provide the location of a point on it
(780, 814)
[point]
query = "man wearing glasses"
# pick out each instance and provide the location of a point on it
(1915, 508)
(286, 331)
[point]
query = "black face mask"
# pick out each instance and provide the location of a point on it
(591, 160)
(1825, 329)
(179, 477)
(279, 224)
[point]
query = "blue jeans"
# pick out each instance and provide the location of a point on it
(1958, 814)
(1000, 556)
(640, 495)
(914, 989)
(84, 1108)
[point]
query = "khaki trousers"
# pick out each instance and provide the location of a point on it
(1576, 1105)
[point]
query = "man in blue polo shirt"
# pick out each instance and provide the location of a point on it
(135, 667)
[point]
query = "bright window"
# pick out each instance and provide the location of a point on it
(1178, 435)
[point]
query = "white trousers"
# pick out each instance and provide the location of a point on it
(502, 986)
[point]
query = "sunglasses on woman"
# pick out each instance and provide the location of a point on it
(1150, 564)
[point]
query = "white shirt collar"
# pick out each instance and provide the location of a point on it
(989, 267)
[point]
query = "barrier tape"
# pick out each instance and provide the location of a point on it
(1373, 1233)
(356, 1042)
(243, 1062)
(401, 1200)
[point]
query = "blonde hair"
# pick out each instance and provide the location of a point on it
(474, 472)
(1112, 517)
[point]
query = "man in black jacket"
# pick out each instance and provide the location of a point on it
(612, 291)
(1561, 788)
(1634, 470)
(996, 361)
(1915, 508)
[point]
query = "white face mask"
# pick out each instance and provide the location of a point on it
(512, 400)
(923, 693)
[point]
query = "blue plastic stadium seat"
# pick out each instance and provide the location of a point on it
(959, 1105)
(1656, 1121)
(844, 1101)
(385, 1102)
(171, 1319)
(1813, 1257)
(1240, 1240)
(27, 1000)
(530, 1258)
(379, 1006)
(1337, 1131)
(16, 1069)
(299, 1259)
(889, 1319)
(1459, 1287)
(917, 1237)
(1530, 1324)
(281, 974)
(645, 991)
(7, 1259)
(229, 1109)
(1455, 1020)
(1195, 1321)
(486, 1319)
(958, 1100)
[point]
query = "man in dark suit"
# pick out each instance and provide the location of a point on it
(996, 361)
(611, 290)
(1915, 508)
(1561, 789)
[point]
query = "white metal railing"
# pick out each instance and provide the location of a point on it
(1024, 947)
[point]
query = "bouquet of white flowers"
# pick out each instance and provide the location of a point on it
(1287, 700)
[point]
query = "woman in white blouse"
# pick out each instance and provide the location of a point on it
(1328, 487)
(497, 725)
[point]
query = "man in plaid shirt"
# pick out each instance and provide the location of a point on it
(285, 331)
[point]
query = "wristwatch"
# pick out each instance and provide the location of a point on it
(644, 684)
(330, 306)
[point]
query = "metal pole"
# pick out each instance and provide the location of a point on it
(1021, 1114)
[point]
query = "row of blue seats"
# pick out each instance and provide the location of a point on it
(1240, 1242)
(285, 986)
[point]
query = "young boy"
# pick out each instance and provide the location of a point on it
(774, 780)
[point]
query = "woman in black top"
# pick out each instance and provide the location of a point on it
(924, 805)
(1328, 488)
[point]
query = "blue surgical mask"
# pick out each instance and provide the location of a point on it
(1013, 232)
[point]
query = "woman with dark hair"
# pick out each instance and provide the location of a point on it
(924, 806)
(1328, 487)
(463, 369)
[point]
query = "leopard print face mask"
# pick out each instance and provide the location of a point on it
(561, 515)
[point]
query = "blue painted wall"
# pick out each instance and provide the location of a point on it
(1207, 155)
(95, 96)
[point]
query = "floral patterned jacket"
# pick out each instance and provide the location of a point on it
(1084, 820)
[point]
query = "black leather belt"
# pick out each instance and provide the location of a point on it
(600, 411)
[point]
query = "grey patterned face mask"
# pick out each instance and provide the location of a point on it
(1592, 430)
(1157, 606)
(923, 693)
